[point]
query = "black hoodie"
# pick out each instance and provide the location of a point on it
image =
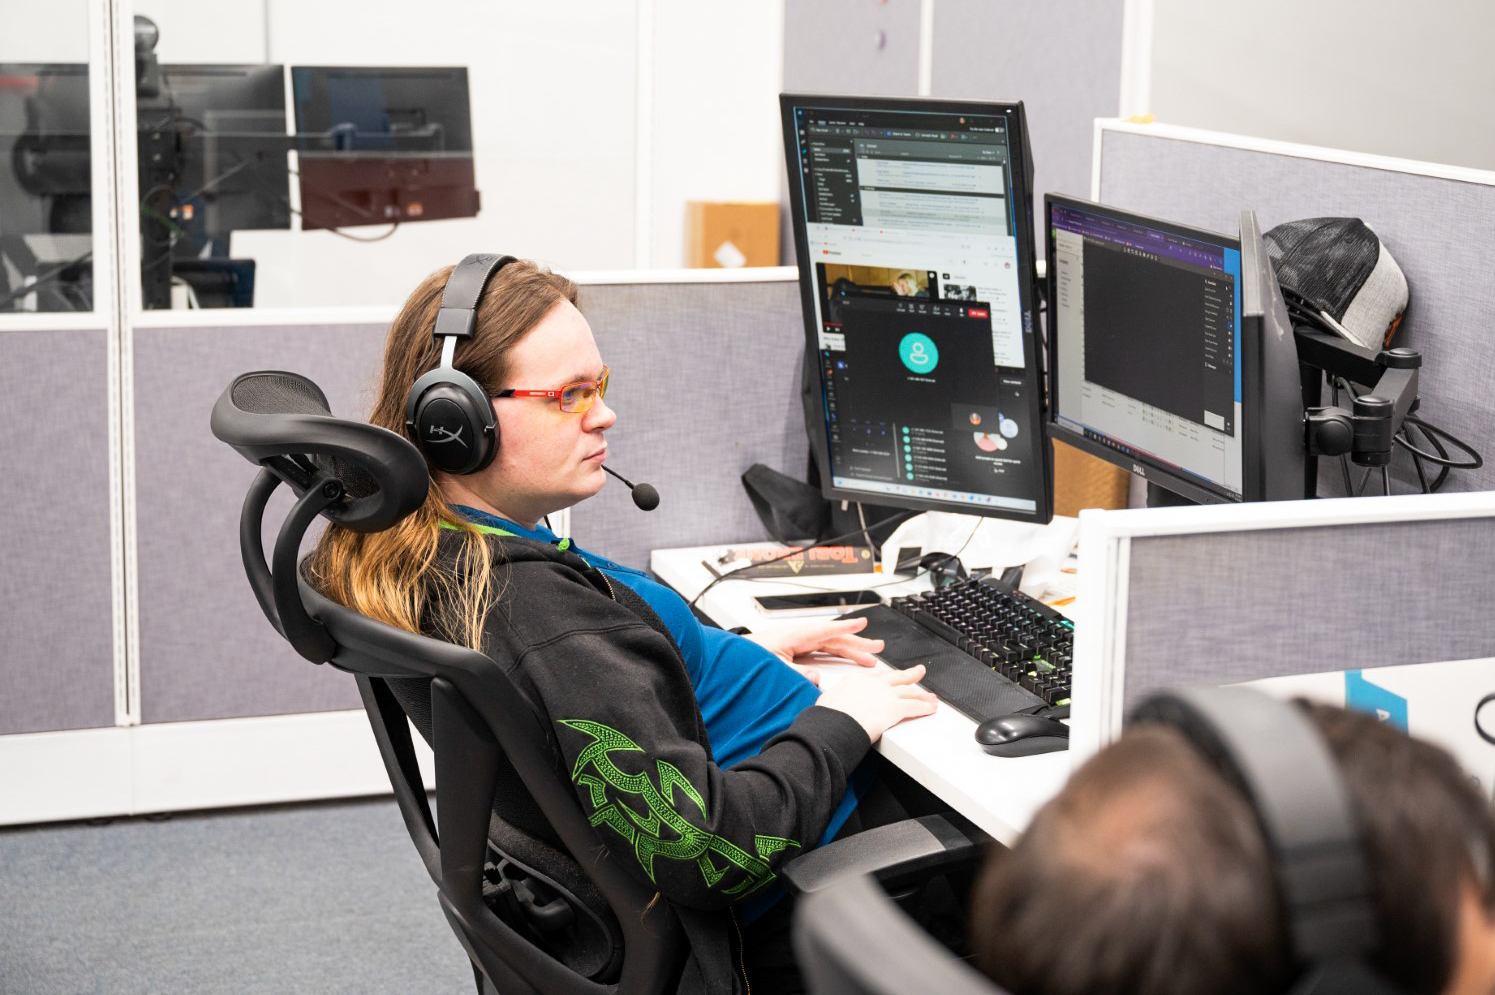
(596, 660)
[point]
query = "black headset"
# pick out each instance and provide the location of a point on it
(448, 415)
(1272, 752)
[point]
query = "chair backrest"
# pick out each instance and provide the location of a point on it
(852, 939)
(512, 915)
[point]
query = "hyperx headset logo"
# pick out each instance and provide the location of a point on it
(440, 433)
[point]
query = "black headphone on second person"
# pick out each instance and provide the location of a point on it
(448, 415)
(1275, 756)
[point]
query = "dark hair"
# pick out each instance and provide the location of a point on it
(1148, 873)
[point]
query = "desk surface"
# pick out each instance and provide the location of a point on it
(999, 794)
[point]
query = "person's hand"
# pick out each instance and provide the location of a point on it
(880, 699)
(835, 637)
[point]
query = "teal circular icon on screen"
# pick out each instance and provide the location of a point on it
(918, 352)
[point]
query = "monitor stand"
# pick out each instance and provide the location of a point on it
(1162, 497)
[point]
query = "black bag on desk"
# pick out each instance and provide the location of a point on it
(793, 510)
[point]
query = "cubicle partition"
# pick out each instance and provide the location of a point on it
(1435, 220)
(1376, 602)
(706, 373)
(57, 548)
(706, 383)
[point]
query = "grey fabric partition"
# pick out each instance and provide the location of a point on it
(206, 652)
(706, 383)
(1062, 58)
(1231, 606)
(851, 46)
(1439, 230)
(57, 627)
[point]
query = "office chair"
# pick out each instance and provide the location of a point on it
(539, 912)
(852, 939)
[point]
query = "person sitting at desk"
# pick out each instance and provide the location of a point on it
(1149, 875)
(703, 761)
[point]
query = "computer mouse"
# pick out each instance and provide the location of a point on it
(1022, 735)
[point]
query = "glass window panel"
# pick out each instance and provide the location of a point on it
(46, 186)
(405, 143)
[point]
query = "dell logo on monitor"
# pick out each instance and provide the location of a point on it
(1139, 471)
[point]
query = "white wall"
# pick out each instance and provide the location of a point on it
(556, 117)
(56, 33)
(552, 97)
(716, 75)
(1384, 76)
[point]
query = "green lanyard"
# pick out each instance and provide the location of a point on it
(562, 544)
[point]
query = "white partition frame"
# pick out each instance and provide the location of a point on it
(1271, 147)
(1105, 546)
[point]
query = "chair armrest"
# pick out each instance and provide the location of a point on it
(892, 854)
(851, 939)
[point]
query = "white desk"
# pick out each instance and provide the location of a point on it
(999, 794)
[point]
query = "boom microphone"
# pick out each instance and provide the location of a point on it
(645, 497)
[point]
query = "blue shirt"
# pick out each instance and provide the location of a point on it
(746, 694)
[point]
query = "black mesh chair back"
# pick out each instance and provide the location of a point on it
(549, 916)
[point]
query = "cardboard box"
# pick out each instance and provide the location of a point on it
(726, 235)
(1083, 481)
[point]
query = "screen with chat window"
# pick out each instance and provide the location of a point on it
(909, 219)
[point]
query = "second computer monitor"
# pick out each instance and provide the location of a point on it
(383, 144)
(912, 220)
(1167, 357)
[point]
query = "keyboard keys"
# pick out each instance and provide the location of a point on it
(1017, 637)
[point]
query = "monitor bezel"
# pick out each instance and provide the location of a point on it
(1154, 471)
(1021, 157)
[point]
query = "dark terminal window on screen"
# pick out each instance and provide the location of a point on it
(1148, 328)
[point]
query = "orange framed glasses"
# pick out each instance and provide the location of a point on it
(574, 398)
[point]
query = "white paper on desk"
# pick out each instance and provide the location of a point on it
(990, 543)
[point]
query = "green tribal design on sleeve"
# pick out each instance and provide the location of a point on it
(662, 831)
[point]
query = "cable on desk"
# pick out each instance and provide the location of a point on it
(921, 571)
(905, 516)
(866, 536)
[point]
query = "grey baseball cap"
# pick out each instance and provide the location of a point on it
(1341, 270)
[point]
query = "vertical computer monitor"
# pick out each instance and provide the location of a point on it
(1166, 354)
(383, 144)
(913, 224)
(230, 122)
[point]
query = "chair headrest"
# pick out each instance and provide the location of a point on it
(270, 414)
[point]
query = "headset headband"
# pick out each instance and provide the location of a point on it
(459, 300)
(1275, 755)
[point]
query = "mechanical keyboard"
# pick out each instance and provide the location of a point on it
(988, 650)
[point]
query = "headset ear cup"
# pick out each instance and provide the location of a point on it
(448, 415)
(453, 434)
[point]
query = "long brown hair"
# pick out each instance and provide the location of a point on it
(391, 575)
